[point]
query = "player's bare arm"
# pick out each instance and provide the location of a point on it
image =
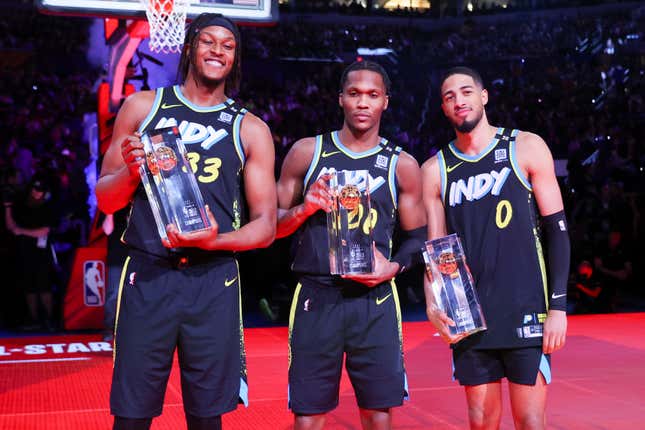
(435, 211)
(436, 220)
(119, 176)
(260, 191)
(412, 214)
(293, 208)
(536, 161)
(411, 217)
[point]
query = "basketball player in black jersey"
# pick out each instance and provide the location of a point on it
(359, 316)
(183, 294)
(488, 185)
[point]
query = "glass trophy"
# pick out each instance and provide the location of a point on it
(349, 226)
(170, 184)
(452, 284)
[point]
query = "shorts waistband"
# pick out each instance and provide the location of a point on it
(181, 260)
(346, 287)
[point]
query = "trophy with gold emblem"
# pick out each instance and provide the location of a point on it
(452, 284)
(170, 184)
(349, 224)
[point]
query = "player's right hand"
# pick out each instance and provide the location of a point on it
(442, 323)
(318, 196)
(203, 239)
(133, 154)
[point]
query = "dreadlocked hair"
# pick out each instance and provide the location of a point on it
(190, 46)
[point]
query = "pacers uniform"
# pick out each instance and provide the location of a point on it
(489, 202)
(331, 316)
(188, 299)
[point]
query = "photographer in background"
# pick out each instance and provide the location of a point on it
(29, 217)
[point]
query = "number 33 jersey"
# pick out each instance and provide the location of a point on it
(214, 151)
(489, 203)
(311, 248)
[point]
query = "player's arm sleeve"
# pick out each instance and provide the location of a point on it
(409, 252)
(559, 258)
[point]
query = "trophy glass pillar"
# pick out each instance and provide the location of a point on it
(170, 184)
(452, 284)
(349, 229)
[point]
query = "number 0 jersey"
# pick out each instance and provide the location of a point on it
(311, 247)
(214, 150)
(489, 203)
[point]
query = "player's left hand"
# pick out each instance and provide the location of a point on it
(555, 331)
(384, 270)
(204, 239)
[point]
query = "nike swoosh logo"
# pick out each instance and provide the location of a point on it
(165, 106)
(329, 154)
(379, 301)
(553, 296)
(451, 168)
(229, 282)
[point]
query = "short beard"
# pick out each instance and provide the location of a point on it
(467, 126)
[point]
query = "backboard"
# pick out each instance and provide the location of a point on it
(250, 11)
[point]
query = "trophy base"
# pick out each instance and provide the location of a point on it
(466, 332)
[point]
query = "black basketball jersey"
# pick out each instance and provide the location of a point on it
(214, 150)
(311, 246)
(489, 203)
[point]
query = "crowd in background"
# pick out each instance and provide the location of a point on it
(435, 8)
(45, 90)
(578, 81)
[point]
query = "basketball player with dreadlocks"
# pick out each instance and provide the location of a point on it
(491, 185)
(183, 294)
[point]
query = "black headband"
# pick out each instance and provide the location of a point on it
(218, 20)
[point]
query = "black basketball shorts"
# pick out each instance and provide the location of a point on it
(364, 325)
(194, 311)
(518, 365)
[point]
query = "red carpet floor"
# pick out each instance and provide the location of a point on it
(62, 382)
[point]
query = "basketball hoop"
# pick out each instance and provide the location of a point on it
(167, 21)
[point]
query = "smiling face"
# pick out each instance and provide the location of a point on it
(213, 55)
(463, 101)
(363, 99)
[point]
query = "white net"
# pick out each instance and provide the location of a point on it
(167, 21)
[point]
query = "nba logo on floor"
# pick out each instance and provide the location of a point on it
(94, 283)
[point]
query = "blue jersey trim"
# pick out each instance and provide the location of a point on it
(477, 157)
(244, 392)
(443, 175)
(237, 140)
(391, 178)
(516, 165)
(349, 152)
(153, 110)
(545, 368)
(452, 365)
(406, 389)
(196, 108)
(314, 162)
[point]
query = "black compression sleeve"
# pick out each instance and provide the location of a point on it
(409, 252)
(559, 258)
